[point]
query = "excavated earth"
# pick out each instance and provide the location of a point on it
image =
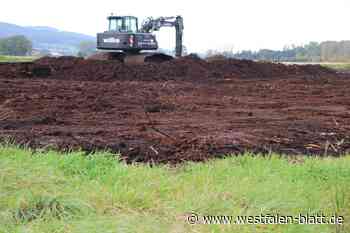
(180, 110)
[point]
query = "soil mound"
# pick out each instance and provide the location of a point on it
(180, 110)
(187, 68)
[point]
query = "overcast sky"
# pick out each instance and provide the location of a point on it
(219, 24)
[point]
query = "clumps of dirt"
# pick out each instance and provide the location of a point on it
(60, 63)
(216, 58)
(248, 68)
(187, 109)
(190, 68)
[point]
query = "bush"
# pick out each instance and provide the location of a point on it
(15, 46)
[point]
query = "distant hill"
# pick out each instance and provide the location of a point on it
(46, 38)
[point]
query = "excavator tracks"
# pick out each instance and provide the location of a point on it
(132, 58)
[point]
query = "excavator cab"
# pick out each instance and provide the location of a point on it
(128, 24)
(123, 35)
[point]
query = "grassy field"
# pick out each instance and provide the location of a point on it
(53, 192)
(338, 66)
(16, 58)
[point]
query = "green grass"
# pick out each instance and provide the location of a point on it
(53, 192)
(338, 66)
(16, 58)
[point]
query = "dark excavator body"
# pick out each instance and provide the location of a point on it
(124, 41)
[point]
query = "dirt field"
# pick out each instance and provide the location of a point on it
(186, 109)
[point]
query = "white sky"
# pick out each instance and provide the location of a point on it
(220, 24)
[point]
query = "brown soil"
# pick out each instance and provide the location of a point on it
(185, 109)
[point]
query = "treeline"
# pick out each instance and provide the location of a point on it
(329, 51)
(15, 46)
(21, 46)
(335, 51)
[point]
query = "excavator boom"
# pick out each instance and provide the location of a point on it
(151, 25)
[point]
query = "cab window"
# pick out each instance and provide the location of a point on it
(123, 24)
(116, 24)
(130, 24)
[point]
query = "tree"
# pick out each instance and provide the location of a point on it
(16, 46)
(87, 48)
(334, 51)
(313, 50)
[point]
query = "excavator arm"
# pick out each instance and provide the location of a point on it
(150, 25)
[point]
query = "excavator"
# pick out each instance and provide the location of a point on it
(126, 42)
